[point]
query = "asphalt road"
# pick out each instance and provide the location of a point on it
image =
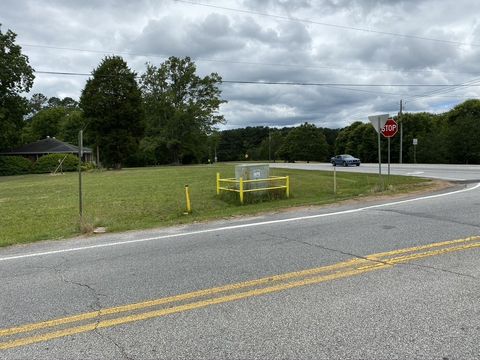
(341, 302)
(434, 171)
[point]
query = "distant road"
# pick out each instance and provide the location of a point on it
(434, 171)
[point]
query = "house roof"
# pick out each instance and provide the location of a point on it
(47, 146)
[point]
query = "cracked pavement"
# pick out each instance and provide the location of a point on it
(426, 309)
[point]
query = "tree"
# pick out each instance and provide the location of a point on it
(463, 140)
(230, 146)
(54, 102)
(271, 145)
(36, 103)
(112, 105)
(181, 108)
(47, 122)
(70, 125)
(16, 77)
(306, 142)
(69, 103)
(330, 136)
(358, 139)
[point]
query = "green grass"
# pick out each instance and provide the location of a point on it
(37, 207)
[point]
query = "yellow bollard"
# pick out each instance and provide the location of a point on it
(288, 186)
(187, 196)
(218, 183)
(335, 180)
(241, 190)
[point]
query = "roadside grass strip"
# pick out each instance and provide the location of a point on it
(44, 207)
(109, 317)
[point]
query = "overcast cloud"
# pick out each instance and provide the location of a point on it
(303, 41)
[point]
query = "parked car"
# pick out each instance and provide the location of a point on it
(345, 160)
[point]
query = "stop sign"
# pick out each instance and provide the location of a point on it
(390, 128)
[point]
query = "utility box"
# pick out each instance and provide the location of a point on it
(253, 172)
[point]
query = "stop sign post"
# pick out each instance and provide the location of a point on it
(377, 122)
(389, 130)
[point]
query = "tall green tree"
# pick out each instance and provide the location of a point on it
(358, 139)
(62, 120)
(112, 105)
(306, 142)
(16, 77)
(36, 103)
(47, 122)
(69, 126)
(271, 145)
(181, 109)
(463, 139)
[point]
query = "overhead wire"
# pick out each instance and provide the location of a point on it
(344, 27)
(444, 90)
(291, 83)
(239, 62)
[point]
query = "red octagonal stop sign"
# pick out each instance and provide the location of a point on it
(390, 128)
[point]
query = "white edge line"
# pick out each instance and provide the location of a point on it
(232, 227)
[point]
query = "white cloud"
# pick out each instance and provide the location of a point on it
(269, 48)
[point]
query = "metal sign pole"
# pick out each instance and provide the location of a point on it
(80, 187)
(379, 152)
(378, 121)
(388, 177)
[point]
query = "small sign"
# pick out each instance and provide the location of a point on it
(415, 141)
(375, 118)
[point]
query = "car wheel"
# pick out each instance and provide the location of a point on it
(344, 163)
(358, 164)
(334, 163)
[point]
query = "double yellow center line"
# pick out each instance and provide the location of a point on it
(57, 328)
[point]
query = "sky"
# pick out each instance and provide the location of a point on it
(326, 62)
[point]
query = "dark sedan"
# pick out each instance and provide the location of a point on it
(345, 160)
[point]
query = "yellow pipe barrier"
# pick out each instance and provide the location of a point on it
(241, 190)
(187, 196)
(241, 185)
(288, 186)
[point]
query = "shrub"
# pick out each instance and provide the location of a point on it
(89, 166)
(14, 165)
(49, 163)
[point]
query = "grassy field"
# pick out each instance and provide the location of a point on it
(36, 207)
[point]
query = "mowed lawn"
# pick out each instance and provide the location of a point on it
(37, 207)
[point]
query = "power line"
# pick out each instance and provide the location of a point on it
(64, 73)
(293, 83)
(365, 91)
(444, 90)
(340, 84)
(344, 27)
(319, 67)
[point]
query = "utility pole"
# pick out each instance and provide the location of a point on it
(401, 131)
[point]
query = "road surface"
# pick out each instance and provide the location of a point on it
(378, 280)
(434, 171)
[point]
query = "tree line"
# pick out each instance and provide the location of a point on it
(170, 115)
(449, 138)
